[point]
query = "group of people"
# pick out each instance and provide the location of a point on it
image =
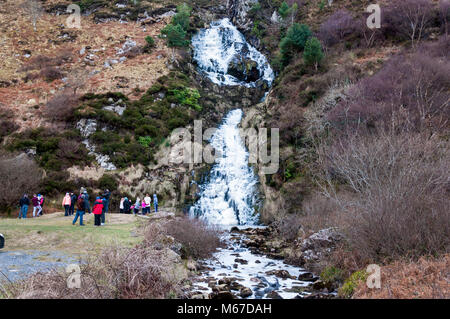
(140, 206)
(78, 205)
(38, 205)
(82, 204)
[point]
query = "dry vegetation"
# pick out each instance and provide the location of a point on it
(28, 83)
(150, 269)
(427, 278)
(23, 171)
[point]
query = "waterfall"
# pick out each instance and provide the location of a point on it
(217, 46)
(230, 195)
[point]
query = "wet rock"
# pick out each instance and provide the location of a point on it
(245, 292)
(191, 265)
(200, 296)
(241, 261)
(244, 69)
(238, 12)
(279, 273)
(307, 276)
(234, 229)
(318, 246)
(273, 295)
(320, 285)
(220, 288)
(222, 295)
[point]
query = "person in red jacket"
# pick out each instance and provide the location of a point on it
(97, 211)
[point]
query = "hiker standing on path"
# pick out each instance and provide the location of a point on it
(148, 202)
(24, 203)
(105, 201)
(81, 208)
(67, 201)
(36, 205)
(97, 210)
(155, 202)
(73, 200)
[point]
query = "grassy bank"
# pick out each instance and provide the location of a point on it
(56, 232)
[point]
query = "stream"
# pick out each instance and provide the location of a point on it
(229, 198)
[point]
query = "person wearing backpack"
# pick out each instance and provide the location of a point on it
(81, 208)
(97, 211)
(24, 203)
(67, 201)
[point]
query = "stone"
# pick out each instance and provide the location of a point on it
(307, 276)
(245, 292)
(222, 295)
(273, 295)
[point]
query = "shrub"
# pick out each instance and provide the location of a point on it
(50, 74)
(407, 19)
(61, 106)
(116, 273)
(313, 54)
(337, 27)
(400, 201)
(351, 283)
(294, 41)
(188, 97)
(20, 174)
(7, 123)
(409, 92)
(108, 182)
(199, 240)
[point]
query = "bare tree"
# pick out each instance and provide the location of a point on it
(34, 10)
(399, 187)
(19, 174)
(410, 18)
(77, 79)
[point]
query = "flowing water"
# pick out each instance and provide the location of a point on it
(230, 194)
(215, 48)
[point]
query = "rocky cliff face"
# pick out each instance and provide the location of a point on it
(238, 13)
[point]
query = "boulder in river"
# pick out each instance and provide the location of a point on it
(245, 292)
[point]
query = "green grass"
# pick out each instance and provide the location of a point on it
(56, 232)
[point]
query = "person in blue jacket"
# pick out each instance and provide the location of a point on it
(155, 202)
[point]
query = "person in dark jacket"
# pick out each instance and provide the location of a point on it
(105, 201)
(24, 203)
(97, 210)
(81, 208)
(73, 200)
(86, 201)
(126, 206)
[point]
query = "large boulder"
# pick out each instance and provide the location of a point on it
(238, 12)
(318, 246)
(244, 69)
